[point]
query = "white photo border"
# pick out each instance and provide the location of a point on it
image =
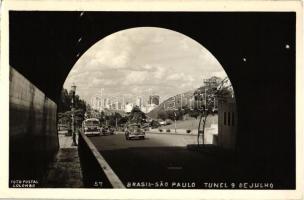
(153, 5)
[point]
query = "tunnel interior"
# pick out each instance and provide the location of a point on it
(256, 49)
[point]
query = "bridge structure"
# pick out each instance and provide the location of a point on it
(251, 47)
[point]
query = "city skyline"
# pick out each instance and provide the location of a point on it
(143, 62)
(146, 104)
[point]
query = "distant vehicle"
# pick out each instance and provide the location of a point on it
(162, 123)
(146, 126)
(91, 126)
(168, 122)
(107, 130)
(134, 131)
(154, 124)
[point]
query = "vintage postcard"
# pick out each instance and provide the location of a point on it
(151, 99)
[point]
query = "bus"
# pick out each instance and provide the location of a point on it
(91, 126)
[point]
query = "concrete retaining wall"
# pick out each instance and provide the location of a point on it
(96, 172)
(33, 138)
(210, 134)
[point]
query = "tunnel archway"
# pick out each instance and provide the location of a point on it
(160, 61)
(248, 45)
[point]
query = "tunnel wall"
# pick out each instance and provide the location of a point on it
(227, 123)
(33, 138)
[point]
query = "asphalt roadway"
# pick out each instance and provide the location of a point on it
(165, 161)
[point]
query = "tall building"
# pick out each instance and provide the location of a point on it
(116, 105)
(154, 99)
(96, 103)
(123, 103)
(101, 103)
(128, 107)
(139, 102)
(107, 103)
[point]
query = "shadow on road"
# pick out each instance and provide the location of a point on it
(137, 164)
(183, 164)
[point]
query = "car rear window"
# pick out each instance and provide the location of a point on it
(134, 127)
(91, 123)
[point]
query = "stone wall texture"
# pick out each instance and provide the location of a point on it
(33, 138)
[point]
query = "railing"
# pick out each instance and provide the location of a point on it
(96, 172)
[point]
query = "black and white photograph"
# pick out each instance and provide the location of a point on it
(152, 100)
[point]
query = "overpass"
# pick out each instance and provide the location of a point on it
(257, 51)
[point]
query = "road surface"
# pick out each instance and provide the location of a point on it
(162, 158)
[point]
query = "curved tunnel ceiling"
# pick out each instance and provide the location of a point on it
(52, 42)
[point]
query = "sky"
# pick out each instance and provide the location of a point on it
(143, 61)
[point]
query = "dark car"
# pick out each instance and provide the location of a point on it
(134, 131)
(107, 130)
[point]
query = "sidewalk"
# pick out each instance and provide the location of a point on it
(208, 130)
(210, 134)
(65, 170)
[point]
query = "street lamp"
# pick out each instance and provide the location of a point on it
(73, 89)
(174, 121)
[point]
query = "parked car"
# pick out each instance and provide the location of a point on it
(162, 123)
(134, 131)
(168, 122)
(107, 130)
(146, 126)
(91, 126)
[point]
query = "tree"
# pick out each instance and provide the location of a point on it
(79, 116)
(102, 118)
(208, 94)
(114, 119)
(175, 114)
(186, 109)
(194, 113)
(64, 103)
(123, 120)
(137, 116)
(162, 115)
(64, 108)
(180, 114)
(64, 118)
(171, 115)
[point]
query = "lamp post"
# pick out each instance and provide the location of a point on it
(174, 121)
(205, 97)
(73, 89)
(115, 122)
